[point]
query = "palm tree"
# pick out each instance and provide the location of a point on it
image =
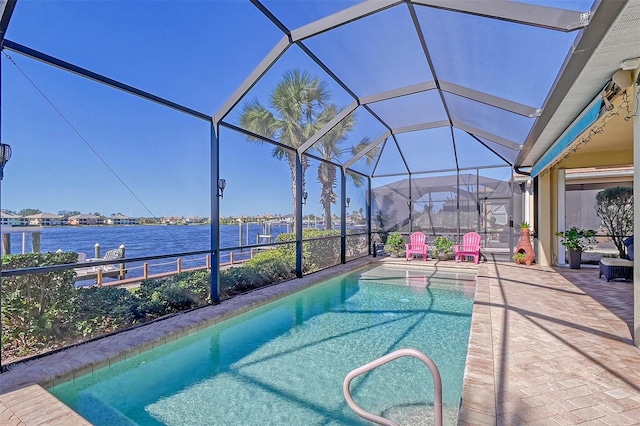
(329, 148)
(298, 109)
(295, 105)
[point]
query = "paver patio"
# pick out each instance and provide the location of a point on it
(548, 346)
(551, 346)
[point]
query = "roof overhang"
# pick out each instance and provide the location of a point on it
(611, 37)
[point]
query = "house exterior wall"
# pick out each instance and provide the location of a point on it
(15, 221)
(47, 221)
(83, 220)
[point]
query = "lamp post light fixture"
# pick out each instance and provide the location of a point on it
(5, 155)
(222, 184)
(348, 202)
(304, 197)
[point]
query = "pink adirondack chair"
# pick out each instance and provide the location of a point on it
(470, 247)
(418, 245)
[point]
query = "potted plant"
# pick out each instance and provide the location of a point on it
(576, 240)
(442, 247)
(520, 257)
(524, 246)
(395, 244)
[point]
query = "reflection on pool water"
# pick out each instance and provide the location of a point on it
(284, 363)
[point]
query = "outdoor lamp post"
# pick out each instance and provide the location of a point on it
(5, 155)
(222, 184)
(304, 201)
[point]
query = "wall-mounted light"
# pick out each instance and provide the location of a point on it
(348, 202)
(304, 197)
(623, 79)
(222, 184)
(5, 155)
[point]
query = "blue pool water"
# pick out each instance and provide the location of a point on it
(284, 363)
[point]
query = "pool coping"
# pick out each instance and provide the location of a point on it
(27, 380)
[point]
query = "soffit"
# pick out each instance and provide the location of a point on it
(610, 134)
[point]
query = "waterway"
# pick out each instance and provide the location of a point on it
(142, 240)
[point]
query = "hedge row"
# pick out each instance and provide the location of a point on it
(42, 312)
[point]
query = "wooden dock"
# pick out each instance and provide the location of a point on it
(95, 273)
(99, 273)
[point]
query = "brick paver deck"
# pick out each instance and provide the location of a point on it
(551, 346)
(548, 346)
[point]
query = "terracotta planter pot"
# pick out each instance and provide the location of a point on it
(524, 246)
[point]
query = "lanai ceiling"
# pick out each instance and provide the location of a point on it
(441, 85)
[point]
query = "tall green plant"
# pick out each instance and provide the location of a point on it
(299, 107)
(614, 206)
(295, 104)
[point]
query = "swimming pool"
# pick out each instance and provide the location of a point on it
(284, 363)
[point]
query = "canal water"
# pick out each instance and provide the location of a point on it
(142, 240)
(149, 240)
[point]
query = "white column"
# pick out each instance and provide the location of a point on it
(636, 216)
(562, 201)
(528, 205)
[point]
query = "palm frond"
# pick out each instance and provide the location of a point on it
(257, 119)
(369, 156)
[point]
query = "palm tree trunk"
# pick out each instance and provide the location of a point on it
(291, 160)
(327, 177)
(326, 206)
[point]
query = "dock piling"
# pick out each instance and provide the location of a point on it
(123, 271)
(6, 244)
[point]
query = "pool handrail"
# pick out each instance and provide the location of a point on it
(437, 385)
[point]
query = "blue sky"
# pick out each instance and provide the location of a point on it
(111, 144)
(195, 54)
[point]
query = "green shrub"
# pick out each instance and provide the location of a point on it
(239, 279)
(37, 309)
(44, 311)
(266, 267)
(273, 265)
(442, 244)
(105, 309)
(395, 244)
(280, 256)
(197, 282)
(614, 206)
(316, 254)
(164, 296)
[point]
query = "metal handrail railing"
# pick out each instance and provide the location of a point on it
(437, 385)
